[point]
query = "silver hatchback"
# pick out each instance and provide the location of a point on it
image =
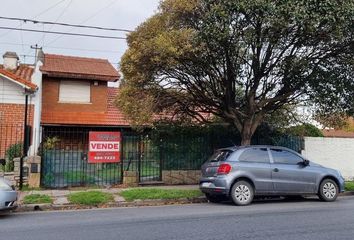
(240, 173)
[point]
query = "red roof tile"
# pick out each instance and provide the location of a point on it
(79, 67)
(21, 75)
(111, 117)
(337, 133)
(23, 71)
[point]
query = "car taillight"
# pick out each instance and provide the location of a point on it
(224, 169)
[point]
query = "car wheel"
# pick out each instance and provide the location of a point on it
(242, 193)
(328, 191)
(214, 198)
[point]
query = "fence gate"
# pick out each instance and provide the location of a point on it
(141, 155)
(65, 163)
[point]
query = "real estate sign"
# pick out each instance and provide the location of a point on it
(104, 147)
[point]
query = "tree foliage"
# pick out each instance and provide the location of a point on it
(305, 130)
(238, 60)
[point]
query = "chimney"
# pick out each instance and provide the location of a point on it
(10, 61)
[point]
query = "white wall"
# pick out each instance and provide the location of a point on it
(37, 101)
(337, 153)
(11, 92)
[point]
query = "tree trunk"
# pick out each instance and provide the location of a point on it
(249, 127)
(246, 134)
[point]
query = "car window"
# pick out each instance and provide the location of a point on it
(285, 157)
(220, 155)
(259, 155)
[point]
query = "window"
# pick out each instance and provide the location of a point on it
(220, 156)
(75, 91)
(285, 157)
(258, 155)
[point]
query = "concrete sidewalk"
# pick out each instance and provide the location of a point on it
(60, 198)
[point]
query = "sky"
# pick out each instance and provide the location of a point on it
(122, 14)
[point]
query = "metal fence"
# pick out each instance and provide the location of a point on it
(64, 160)
(11, 143)
(64, 155)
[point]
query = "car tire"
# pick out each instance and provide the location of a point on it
(328, 191)
(214, 198)
(242, 193)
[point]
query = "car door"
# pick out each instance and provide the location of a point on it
(255, 163)
(289, 174)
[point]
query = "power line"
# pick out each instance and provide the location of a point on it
(66, 24)
(88, 18)
(62, 33)
(57, 47)
(37, 15)
(81, 59)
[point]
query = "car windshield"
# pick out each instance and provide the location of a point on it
(220, 155)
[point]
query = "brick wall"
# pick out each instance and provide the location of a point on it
(52, 110)
(50, 98)
(11, 124)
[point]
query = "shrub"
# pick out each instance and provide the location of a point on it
(13, 151)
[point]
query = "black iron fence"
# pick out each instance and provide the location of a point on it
(64, 160)
(64, 154)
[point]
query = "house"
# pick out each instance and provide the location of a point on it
(76, 92)
(16, 82)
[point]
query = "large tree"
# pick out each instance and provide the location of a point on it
(237, 60)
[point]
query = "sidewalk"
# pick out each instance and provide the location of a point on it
(61, 202)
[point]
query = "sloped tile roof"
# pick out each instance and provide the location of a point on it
(79, 67)
(111, 117)
(21, 75)
(337, 133)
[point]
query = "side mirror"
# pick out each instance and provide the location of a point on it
(2, 162)
(306, 162)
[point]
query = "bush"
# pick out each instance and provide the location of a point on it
(13, 151)
(305, 130)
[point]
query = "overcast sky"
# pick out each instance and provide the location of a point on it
(126, 14)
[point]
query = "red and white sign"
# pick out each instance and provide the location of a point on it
(104, 147)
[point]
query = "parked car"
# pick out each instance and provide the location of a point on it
(8, 194)
(240, 173)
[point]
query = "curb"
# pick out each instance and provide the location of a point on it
(137, 203)
(347, 193)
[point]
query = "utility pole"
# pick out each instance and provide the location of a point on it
(36, 52)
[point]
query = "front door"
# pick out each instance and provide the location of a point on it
(289, 175)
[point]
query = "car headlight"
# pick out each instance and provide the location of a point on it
(4, 186)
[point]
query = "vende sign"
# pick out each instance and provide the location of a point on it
(104, 147)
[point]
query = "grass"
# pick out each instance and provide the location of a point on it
(36, 199)
(349, 186)
(78, 177)
(90, 198)
(109, 174)
(154, 193)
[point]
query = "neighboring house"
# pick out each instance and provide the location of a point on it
(16, 81)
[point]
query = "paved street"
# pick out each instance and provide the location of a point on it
(308, 219)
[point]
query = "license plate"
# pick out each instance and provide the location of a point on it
(205, 184)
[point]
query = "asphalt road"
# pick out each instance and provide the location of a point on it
(308, 219)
